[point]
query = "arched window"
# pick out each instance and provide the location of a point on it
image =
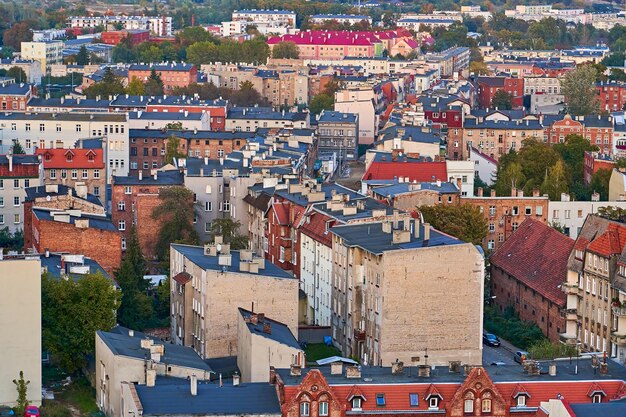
(305, 408)
(486, 405)
(468, 404)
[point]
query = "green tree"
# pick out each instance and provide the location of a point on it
(154, 85)
(174, 126)
(463, 221)
(555, 182)
(18, 74)
(612, 213)
(72, 311)
(110, 85)
(17, 148)
(579, 88)
(175, 213)
(229, 230)
(171, 149)
(322, 102)
(135, 87)
(572, 150)
(479, 68)
(617, 75)
(194, 34)
(600, 183)
(82, 57)
(502, 100)
(286, 50)
(510, 177)
(202, 53)
(22, 394)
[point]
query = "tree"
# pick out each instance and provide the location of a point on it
(135, 87)
(321, 102)
(572, 150)
(286, 50)
(171, 150)
(617, 75)
(612, 213)
(194, 34)
(82, 57)
(16, 34)
(202, 53)
(174, 126)
(511, 177)
(579, 88)
(154, 85)
(229, 230)
(22, 394)
(502, 100)
(463, 221)
(17, 148)
(479, 68)
(110, 85)
(600, 183)
(555, 182)
(18, 74)
(72, 311)
(175, 213)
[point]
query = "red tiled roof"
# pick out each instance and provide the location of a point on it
(536, 255)
(182, 278)
(415, 171)
(315, 227)
(281, 211)
(336, 37)
(78, 158)
(611, 242)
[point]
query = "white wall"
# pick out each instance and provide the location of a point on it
(572, 214)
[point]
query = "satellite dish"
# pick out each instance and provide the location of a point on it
(219, 247)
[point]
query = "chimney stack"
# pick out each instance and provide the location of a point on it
(493, 193)
(194, 384)
(236, 379)
(10, 158)
(140, 175)
(426, 231)
(480, 191)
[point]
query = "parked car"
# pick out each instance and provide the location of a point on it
(491, 339)
(520, 356)
(31, 411)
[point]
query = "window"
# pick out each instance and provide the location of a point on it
(16, 201)
(380, 400)
(468, 406)
(208, 206)
(304, 409)
(128, 190)
(121, 206)
(53, 174)
(42, 127)
(539, 210)
(226, 206)
(96, 174)
(16, 183)
(123, 243)
(121, 225)
(27, 127)
(79, 128)
(281, 257)
(515, 211)
(597, 398)
(85, 174)
(323, 409)
(1, 218)
(529, 211)
(491, 244)
(433, 402)
(521, 401)
(96, 190)
(414, 400)
(486, 405)
(492, 211)
(74, 174)
(492, 227)
(16, 218)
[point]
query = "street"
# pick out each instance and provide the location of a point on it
(503, 353)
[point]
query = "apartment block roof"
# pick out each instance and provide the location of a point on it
(340, 16)
(66, 116)
(365, 207)
(279, 332)
(121, 343)
(19, 159)
(164, 66)
(157, 115)
(409, 133)
(173, 177)
(328, 37)
(57, 265)
(262, 113)
(84, 103)
(33, 193)
(188, 134)
(72, 158)
(536, 255)
(172, 396)
(328, 116)
(407, 188)
(14, 89)
(414, 171)
(95, 222)
(196, 255)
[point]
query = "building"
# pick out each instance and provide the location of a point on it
(123, 355)
(263, 343)
(163, 120)
(133, 199)
(527, 272)
(334, 45)
(133, 37)
(386, 168)
(15, 96)
(277, 17)
(414, 141)
(489, 86)
(205, 319)
(598, 130)
(338, 133)
(505, 214)
(249, 119)
(570, 214)
(595, 161)
(360, 101)
(21, 328)
(383, 276)
(485, 166)
(408, 197)
(351, 19)
(31, 67)
(47, 53)
(157, 25)
(73, 166)
(172, 74)
(17, 173)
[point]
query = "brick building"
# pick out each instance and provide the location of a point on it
(611, 96)
(133, 37)
(132, 201)
(527, 272)
(176, 104)
(488, 86)
(15, 96)
(72, 166)
(598, 130)
(172, 74)
(17, 173)
(595, 161)
(408, 196)
(505, 214)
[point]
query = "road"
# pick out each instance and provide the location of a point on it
(503, 353)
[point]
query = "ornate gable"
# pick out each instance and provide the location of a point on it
(314, 390)
(479, 392)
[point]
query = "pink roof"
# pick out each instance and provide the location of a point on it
(334, 37)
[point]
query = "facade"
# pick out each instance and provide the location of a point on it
(162, 120)
(406, 196)
(15, 96)
(351, 19)
(382, 275)
(485, 167)
(595, 161)
(121, 356)
(339, 133)
(278, 17)
(359, 101)
(413, 141)
(571, 215)
(526, 272)
(505, 214)
(209, 324)
(263, 343)
(73, 166)
(249, 119)
(134, 37)
(172, 74)
(598, 130)
(17, 173)
(21, 328)
(32, 68)
(47, 53)
(157, 25)
(488, 86)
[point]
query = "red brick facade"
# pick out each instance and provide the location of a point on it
(488, 86)
(597, 130)
(593, 163)
(171, 75)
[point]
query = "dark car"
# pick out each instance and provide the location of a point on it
(491, 339)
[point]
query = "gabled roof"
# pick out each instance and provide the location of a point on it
(316, 226)
(536, 255)
(595, 389)
(520, 390)
(278, 332)
(281, 211)
(356, 392)
(415, 171)
(432, 391)
(72, 158)
(611, 242)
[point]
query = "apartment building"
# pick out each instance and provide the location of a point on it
(15, 96)
(32, 68)
(63, 130)
(383, 275)
(17, 173)
(409, 196)
(598, 130)
(277, 17)
(334, 45)
(209, 284)
(75, 166)
(338, 133)
(249, 119)
(157, 25)
(489, 86)
(505, 214)
(571, 215)
(351, 19)
(172, 74)
(21, 328)
(161, 120)
(47, 53)
(360, 101)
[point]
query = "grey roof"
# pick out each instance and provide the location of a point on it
(196, 255)
(408, 133)
(95, 222)
(69, 102)
(369, 204)
(40, 192)
(503, 124)
(225, 365)
(329, 116)
(195, 165)
(404, 188)
(157, 115)
(66, 116)
(53, 265)
(14, 89)
(370, 237)
(303, 200)
(121, 343)
(20, 159)
(612, 409)
(264, 113)
(279, 331)
(172, 177)
(188, 134)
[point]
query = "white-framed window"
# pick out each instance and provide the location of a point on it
(433, 402)
(53, 174)
(491, 244)
(121, 206)
(521, 401)
(207, 227)
(96, 174)
(597, 398)
(304, 409)
(486, 405)
(356, 403)
(208, 206)
(85, 174)
(16, 218)
(16, 201)
(128, 190)
(96, 190)
(1, 218)
(1, 201)
(74, 174)
(121, 225)
(123, 243)
(323, 408)
(16, 184)
(281, 256)
(226, 206)
(468, 406)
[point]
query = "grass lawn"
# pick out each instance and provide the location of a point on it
(316, 351)
(81, 395)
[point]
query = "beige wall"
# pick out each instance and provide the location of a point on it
(617, 185)
(20, 324)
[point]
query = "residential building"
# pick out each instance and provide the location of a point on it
(249, 119)
(488, 86)
(350, 19)
(31, 67)
(598, 130)
(385, 168)
(333, 45)
(595, 161)
(163, 120)
(215, 108)
(47, 53)
(133, 199)
(485, 167)
(172, 74)
(617, 186)
(20, 319)
(570, 215)
(414, 141)
(278, 17)
(202, 317)
(73, 166)
(408, 197)
(258, 200)
(359, 100)
(63, 130)
(15, 96)
(157, 25)
(505, 214)
(527, 272)
(133, 37)
(124, 356)
(264, 343)
(454, 60)
(17, 173)
(338, 133)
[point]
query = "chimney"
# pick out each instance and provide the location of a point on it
(295, 370)
(236, 379)
(423, 371)
(221, 161)
(353, 372)
(150, 377)
(417, 229)
(140, 175)
(513, 192)
(206, 160)
(336, 368)
(194, 385)
(397, 367)
(10, 158)
(155, 175)
(426, 231)
(480, 191)
(493, 193)
(267, 328)
(131, 333)
(535, 192)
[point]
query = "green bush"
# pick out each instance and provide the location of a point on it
(54, 409)
(508, 326)
(548, 350)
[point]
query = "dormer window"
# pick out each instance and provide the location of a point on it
(90, 158)
(597, 398)
(356, 403)
(48, 157)
(380, 400)
(69, 157)
(521, 401)
(433, 402)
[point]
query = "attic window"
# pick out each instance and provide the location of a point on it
(433, 402)
(414, 400)
(356, 403)
(521, 401)
(48, 157)
(69, 157)
(380, 400)
(90, 158)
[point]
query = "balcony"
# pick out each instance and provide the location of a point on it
(619, 311)
(571, 314)
(568, 339)
(359, 335)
